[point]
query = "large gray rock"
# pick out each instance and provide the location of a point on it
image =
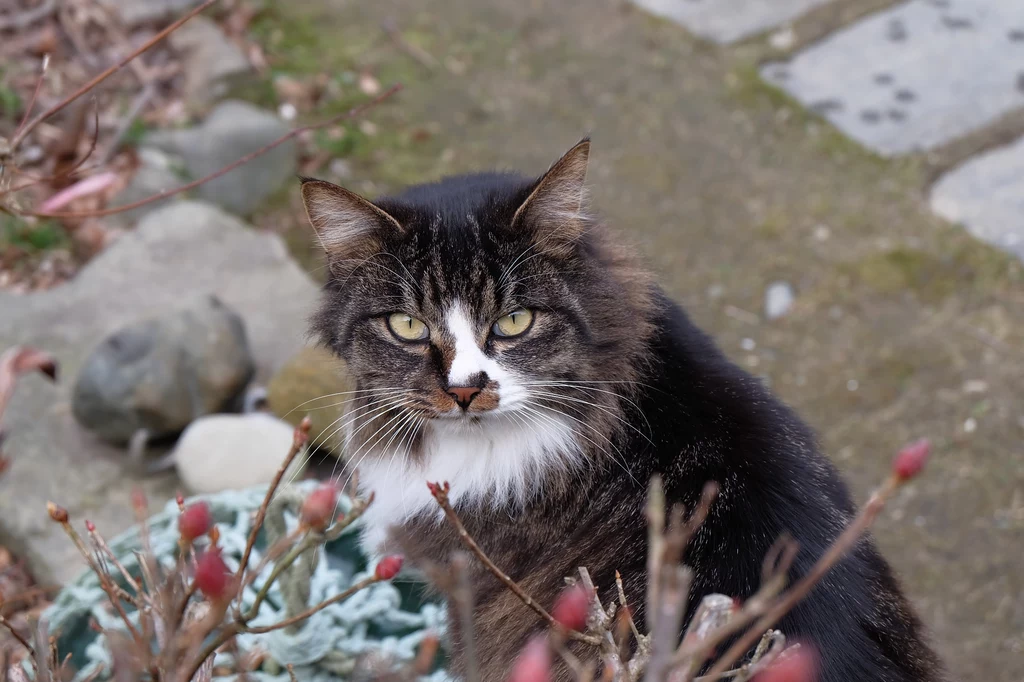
(175, 253)
(136, 12)
(231, 131)
(160, 373)
(213, 64)
(726, 21)
(915, 76)
(986, 194)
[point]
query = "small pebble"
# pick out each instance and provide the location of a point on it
(748, 344)
(852, 385)
(975, 386)
(287, 111)
(784, 39)
(970, 425)
(822, 233)
(715, 291)
(778, 300)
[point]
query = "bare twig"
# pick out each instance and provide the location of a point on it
(35, 93)
(140, 102)
(355, 111)
(299, 438)
(440, 493)
(17, 635)
(462, 595)
(16, 140)
(846, 541)
(674, 589)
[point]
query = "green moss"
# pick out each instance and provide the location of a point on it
(32, 237)
(964, 267)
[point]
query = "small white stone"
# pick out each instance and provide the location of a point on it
(748, 344)
(715, 291)
(970, 425)
(822, 233)
(778, 299)
(852, 385)
(783, 39)
(287, 111)
(975, 386)
(232, 451)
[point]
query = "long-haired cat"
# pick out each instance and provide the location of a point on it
(503, 341)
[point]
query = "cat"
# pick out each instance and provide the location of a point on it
(503, 340)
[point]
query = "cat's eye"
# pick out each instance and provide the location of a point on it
(513, 324)
(407, 327)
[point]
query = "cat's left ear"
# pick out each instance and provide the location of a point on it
(554, 209)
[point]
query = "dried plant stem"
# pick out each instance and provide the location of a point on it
(846, 540)
(299, 438)
(674, 590)
(163, 194)
(16, 140)
(440, 493)
(655, 542)
(463, 598)
(776, 568)
(14, 633)
(298, 618)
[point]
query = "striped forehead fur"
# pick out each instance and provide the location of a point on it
(467, 251)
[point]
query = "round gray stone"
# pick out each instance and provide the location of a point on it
(161, 373)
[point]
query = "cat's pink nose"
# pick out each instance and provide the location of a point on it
(463, 395)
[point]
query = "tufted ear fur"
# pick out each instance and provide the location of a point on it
(346, 224)
(554, 209)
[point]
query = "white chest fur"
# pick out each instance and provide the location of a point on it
(500, 460)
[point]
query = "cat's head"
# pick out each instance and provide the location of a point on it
(478, 298)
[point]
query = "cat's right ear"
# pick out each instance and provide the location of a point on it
(345, 223)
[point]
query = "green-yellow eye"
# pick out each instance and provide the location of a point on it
(513, 324)
(407, 327)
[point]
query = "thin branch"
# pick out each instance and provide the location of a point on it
(16, 140)
(21, 640)
(774, 571)
(35, 93)
(351, 113)
(440, 493)
(462, 595)
(846, 541)
(299, 438)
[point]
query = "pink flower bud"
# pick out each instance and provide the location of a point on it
(213, 578)
(800, 665)
(911, 459)
(572, 607)
(389, 567)
(534, 663)
(195, 521)
(90, 526)
(318, 509)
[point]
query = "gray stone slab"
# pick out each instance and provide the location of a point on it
(915, 76)
(727, 21)
(986, 194)
(177, 252)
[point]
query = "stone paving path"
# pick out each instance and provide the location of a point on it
(902, 80)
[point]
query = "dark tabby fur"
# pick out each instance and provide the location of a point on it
(649, 393)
